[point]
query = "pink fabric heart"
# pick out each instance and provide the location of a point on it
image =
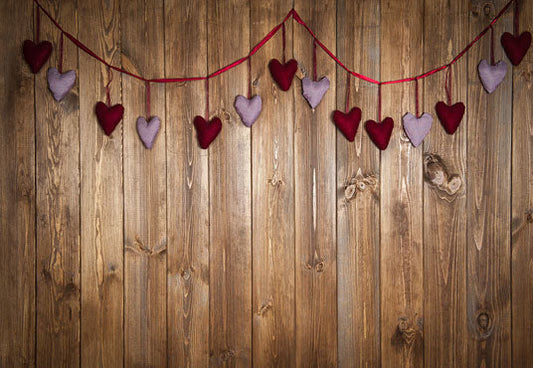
(491, 75)
(313, 91)
(60, 83)
(248, 109)
(148, 130)
(417, 128)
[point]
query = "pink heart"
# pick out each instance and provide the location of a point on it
(491, 75)
(60, 83)
(148, 130)
(417, 128)
(248, 109)
(313, 91)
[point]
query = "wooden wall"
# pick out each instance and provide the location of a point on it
(258, 252)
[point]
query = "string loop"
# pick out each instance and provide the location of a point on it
(417, 112)
(148, 101)
(379, 102)
(347, 107)
(448, 84)
(60, 66)
(109, 79)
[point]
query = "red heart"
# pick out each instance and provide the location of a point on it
(348, 123)
(450, 116)
(36, 55)
(516, 46)
(283, 73)
(108, 117)
(207, 132)
(380, 133)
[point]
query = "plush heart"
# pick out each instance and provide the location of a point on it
(60, 83)
(313, 91)
(491, 75)
(108, 117)
(36, 55)
(207, 131)
(516, 46)
(415, 128)
(248, 109)
(348, 123)
(380, 133)
(450, 116)
(283, 73)
(148, 130)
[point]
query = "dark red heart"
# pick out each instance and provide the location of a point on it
(207, 131)
(283, 73)
(36, 55)
(450, 116)
(108, 117)
(516, 46)
(380, 133)
(348, 123)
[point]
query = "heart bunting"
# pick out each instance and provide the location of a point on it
(380, 133)
(283, 73)
(148, 130)
(516, 46)
(206, 132)
(36, 55)
(348, 123)
(108, 117)
(415, 128)
(450, 116)
(248, 109)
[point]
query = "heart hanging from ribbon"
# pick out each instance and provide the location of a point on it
(450, 116)
(148, 130)
(206, 131)
(516, 46)
(380, 133)
(415, 128)
(36, 55)
(60, 83)
(283, 73)
(314, 91)
(491, 75)
(248, 109)
(348, 123)
(108, 117)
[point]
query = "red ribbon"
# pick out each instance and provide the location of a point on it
(448, 84)
(60, 66)
(346, 108)
(147, 100)
(416, 98)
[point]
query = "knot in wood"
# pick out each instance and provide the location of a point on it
(186, 274)
(359, 184)
(319, 267)
(529, 217)
(483, 321)
(226, 355)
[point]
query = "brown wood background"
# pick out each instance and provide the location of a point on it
(282, 245)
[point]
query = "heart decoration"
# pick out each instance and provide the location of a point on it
(148, 130)
(60, 83)
(313, 91)
(491, 75)
(36, 55)
(207, 131)
(348, 123)
(108, 117)
(450, 116)
(380, 133)
(415, 128)
(248, 109)
(283, 73)
(516, 46)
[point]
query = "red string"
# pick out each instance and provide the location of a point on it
(348, 76)
(109, 79)
(314, 59)
(448, 84)
(60, 66)
(516, 25)
(249, 77)
(38, 25)
(379, 102)
(492, 46)
(148, 101)
(416, 98)
(207, 99)
(283, 38)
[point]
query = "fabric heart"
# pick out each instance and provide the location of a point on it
(415, 128)
(516, 46)
(450, 116)
(491, 75)
(248, 109)
(207, 131)
(108, 117)
(380, 133)
(60, 83)
(283, 73)
(348, 123)
(148, 130)
(36, 55)
(313, 91)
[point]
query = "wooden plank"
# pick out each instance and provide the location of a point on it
(17, 191)
(488, 203)
(358, 192)
(230, 209)
(445, 325)
(101, 192)
(401, 192)
(315, 192)
(273, 200)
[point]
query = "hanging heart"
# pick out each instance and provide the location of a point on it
(283, 73)
(380, 133)
(348, 123)
(314, 91)
(248, 109)
(491, 75)
(60, 83)
(516, 46)
(36, 55)
(207, 131)
(450, 116)
(108, 117)
(415, 128)
(148, 130)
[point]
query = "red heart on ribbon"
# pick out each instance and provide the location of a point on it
(380, 133)
(283, 73)
(108, 117)
(450, 116)
(207, 131)
(348, 123)
(36, 55)
(516, 46)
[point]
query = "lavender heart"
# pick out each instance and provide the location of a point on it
(313, 91)
(417, 128)
(148, 130)
(248, 108)
(491, 75)
(60, 83)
